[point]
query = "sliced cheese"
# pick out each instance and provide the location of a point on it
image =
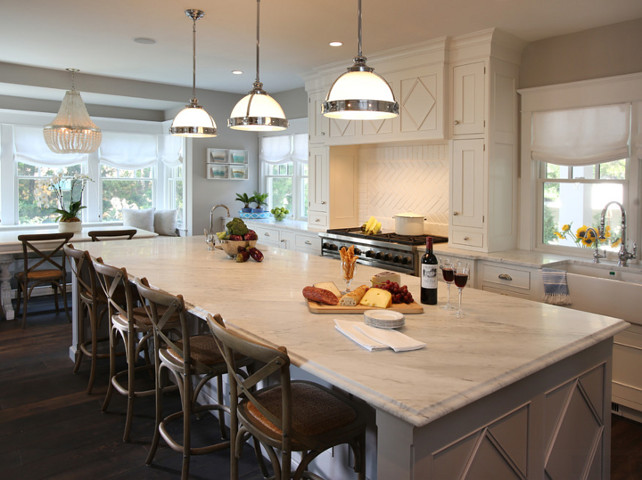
(381, 277)
(377, 297)
(329, 286)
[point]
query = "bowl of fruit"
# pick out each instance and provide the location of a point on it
(236, 237)
(279, 213)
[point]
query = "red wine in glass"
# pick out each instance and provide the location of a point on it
(448, 271)
(449, 274)
(460, 279)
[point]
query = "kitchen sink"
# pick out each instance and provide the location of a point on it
(604, 288)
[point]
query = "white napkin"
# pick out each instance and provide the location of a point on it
(395, 340)
(372, 338)
(350, 330)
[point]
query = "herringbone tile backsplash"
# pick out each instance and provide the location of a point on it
(398, 179)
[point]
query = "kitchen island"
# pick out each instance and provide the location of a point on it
(511, 390)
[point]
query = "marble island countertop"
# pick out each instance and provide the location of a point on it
(500, 340)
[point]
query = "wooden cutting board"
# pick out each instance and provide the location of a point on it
(404, 308)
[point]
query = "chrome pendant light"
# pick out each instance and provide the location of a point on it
(257, 111)
(193, 120)
(72, 131)
(360, 94)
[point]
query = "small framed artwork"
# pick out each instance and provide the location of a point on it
(217, 155)
(215, 171)
(237, 157)
(238, 172)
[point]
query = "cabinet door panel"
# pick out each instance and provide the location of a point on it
(468, 183)
(319, 176)
(468, 98)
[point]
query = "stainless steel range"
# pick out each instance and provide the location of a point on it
(399, 253)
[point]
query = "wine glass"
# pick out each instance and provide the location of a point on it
(447, 270)
(461, 277)
(210, 239)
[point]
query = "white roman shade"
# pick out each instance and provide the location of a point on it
(638, 139)
(128, 150)
(30, 147)
(170, 149)
(581, 136)
(300, 147)
(277, 149)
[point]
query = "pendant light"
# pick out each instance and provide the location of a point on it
(72, 131)
(257, 111)
(360, 94)
(193, 120)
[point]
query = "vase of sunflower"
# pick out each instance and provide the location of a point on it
(586, 236)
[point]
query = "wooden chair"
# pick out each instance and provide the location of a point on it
(44, 247)
(130, 322)
(184, 358)
(92, 307)
(97, 235)
(291, 416)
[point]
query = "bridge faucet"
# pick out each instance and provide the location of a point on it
(622, 254)
(212, 215)
(596, 236)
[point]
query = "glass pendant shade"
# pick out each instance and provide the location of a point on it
(72, 131)
(257, 111)
(360, 94)
(193, 121)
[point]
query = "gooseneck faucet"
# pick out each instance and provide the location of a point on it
(596, 238)
(212, 215)
(622, 255)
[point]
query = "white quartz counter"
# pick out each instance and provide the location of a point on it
(500, 340)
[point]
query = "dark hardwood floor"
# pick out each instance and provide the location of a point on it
(51, 429)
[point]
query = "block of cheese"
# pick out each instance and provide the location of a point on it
(381, 277)
(377, 297)
(329, 286)
(352, 299)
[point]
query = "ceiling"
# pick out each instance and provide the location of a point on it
(98, 37)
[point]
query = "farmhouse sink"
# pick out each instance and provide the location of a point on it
(604, 288)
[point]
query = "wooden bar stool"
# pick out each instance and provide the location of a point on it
(44, 269)
(185, 358)
(124, 234)
(92, 308)
(291, 416)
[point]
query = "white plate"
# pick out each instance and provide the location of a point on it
(384, 318)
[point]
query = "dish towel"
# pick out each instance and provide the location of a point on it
(555, 287)
(372, 338)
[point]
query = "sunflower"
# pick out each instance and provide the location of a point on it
(607, 231)
(565, 228)
(616, 243)
(581, 232)
(559, 235)
(587, 241)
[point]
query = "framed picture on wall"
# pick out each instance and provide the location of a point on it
(217, 155)
(215, 171)
(237, 157)
(226, 164)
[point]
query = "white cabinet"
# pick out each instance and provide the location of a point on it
(513, 280)
(468, 82)
(627, 381)
(317, 123)
(288, 238)
(467, 185)
(267, 235)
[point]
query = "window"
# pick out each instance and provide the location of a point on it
(142, 170)
(583, 161)
(284, 172)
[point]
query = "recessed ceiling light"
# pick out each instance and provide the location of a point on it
(237, 72)
(336, 44)
(145, 40)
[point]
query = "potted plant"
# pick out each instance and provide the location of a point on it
(260, 199)
(245, 199)
(68, 215)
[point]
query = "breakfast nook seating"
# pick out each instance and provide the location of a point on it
(122, 234)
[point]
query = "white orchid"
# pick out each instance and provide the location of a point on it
(76, 188)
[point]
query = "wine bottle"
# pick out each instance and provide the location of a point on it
(429, 275)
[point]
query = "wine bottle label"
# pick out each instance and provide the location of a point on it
(428, 276)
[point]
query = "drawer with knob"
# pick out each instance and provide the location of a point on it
(469, 238)
(507, 276)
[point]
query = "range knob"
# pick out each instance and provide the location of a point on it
(357, 251)
(333, 246)
(396, 259)
(378, 255)
(387, 257)
(370, 253)
(405, 260)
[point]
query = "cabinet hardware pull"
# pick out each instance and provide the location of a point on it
(266, 234)
(308, 242)
(323, 202)
(505, 276)
(455, 214)
(466, 238)
(317, 220)
(456, 122)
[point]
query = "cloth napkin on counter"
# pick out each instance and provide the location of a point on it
(373, 338)
(555, 287)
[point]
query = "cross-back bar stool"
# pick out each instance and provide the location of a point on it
(291, 416)
(42, 266)
(124, 234)
(92, 310)
(185, 358)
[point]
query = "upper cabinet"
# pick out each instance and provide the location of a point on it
(468, 82)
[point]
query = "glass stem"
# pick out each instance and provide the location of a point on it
(459, 304)
(448, 302)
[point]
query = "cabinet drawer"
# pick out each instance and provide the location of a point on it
(509, 277)
(267, 236)
(318, 219)
(286, 239)
(468, 238)
(308, 243)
